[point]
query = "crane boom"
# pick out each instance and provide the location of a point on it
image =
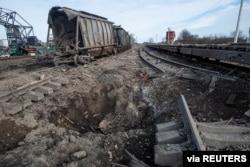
(17, 28)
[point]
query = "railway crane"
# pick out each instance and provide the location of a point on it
(20, 34)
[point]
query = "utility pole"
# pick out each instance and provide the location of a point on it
(238, 23)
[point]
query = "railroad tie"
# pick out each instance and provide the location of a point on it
(168, 151)
(25, 95)
(22, 101)
(10, 108)
(222, 136)
(34, 96)
(53, 85)
(231, 98)
(44, 90)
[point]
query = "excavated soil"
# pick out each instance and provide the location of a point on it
(106, 107)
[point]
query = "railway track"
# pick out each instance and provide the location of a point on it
(15, 101)
(214, 136)
(174, 137)
(15, 58)
(155, 62)
(234, 54)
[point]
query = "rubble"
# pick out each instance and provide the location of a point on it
(99, 111)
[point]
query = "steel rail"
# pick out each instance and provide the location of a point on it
(22, 90)
(155, 67)
(16, 57)
(180, 64)
(190, 124)
(196, 69)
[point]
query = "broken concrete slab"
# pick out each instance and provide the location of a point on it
(10, 108)
(212, 84)
(53, 85)
(170, 137)
(191, 76)
(231, 98)
(167, 126)
(61, 81)
(26, 103)
(168, 155)
(23, 102)
(221, 140)
(79, 154)
(42, 77)
(34, 96)
(247, 113)
(44, 90)
(224, 129)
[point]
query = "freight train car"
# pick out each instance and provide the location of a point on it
(78, 36)
(121, 38)
(234, 53)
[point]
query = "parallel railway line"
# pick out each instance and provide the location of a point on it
(234, 54)
(154, 58)
(204, 136)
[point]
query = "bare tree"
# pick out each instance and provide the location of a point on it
(241, 34)
(185, 36)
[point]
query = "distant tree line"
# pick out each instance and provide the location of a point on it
(186, 37)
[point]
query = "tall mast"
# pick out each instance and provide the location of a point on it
(238, 23)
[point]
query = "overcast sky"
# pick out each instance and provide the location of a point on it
(144, 18)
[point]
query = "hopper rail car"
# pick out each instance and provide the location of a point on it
(79, 37)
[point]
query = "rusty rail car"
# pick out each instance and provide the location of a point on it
(78, 36)
(121, 38)
(234, 53)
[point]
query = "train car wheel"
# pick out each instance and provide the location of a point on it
(76, 60)
(55, 61)
(88, 59)
(84, 59)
